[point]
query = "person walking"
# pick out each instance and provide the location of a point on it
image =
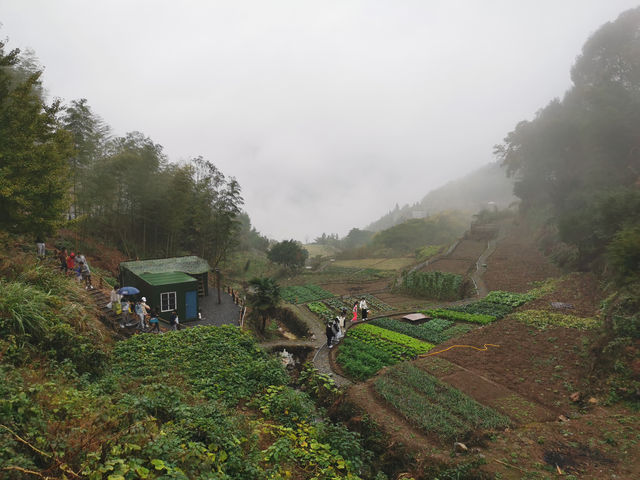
(125, 310)
(335, 325)
(40, 246)
(364, 308)
(341, 319)
(71, 263)
(355, 312)
(62, 257)
(86, 275)
(329, 333)
(140, 312)
(114, 298)
(174, 320)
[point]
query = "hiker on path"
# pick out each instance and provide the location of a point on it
(335, 325)
(71, 263)
(341, 319)
(147, 308)
(124, 303)
(40, 246)
(174, 320)
(355, 312)
(86, 275)
(364, 308)
(62, 257)
(329, 333)
(140, 312)
(114, 298)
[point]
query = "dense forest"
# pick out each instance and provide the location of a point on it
(60, 163)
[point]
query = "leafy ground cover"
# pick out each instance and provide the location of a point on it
(460, 316)
(397, 344)
(304, 293)
(435, 331)
(433, 406)
(543, 320)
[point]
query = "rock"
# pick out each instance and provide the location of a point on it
(459, 447)
(575, 397)
(562, 418)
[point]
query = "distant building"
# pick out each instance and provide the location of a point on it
(169, 283)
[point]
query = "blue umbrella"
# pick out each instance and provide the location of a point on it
(128, 291)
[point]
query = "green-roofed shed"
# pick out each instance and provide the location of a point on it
(169, 283)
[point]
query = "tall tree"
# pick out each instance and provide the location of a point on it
(33, 151)
(90, 136)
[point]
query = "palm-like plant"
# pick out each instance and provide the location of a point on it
(263, 295)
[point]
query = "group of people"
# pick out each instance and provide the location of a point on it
(72, 264)
(335, 329)
(147, 317)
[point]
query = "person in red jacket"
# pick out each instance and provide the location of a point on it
(71, 263)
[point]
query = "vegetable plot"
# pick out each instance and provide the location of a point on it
(367, 348)
(433, 406)
(460, 316)
(435, 331)
(304, 293)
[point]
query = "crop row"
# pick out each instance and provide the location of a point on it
(304, 293)
(434, 285)
(433, 406)
(321, 310)
(397, 344)
(460, 316)
(361, 360)
(431, 331)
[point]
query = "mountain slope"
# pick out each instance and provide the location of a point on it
(470, 193)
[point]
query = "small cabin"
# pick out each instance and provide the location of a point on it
(169, 283)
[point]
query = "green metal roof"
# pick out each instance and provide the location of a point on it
(166, 278)
(192, 264)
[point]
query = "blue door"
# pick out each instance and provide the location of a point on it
(191, 305)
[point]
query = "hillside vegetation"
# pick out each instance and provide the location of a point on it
(74, 404)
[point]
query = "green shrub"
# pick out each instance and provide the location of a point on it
(285, 405)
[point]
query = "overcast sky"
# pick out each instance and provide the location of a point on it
(327, 112)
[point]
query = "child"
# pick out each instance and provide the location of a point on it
(154, 322)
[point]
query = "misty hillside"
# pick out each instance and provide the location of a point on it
(470, 193)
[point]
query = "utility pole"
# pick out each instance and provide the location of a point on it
(218, 285)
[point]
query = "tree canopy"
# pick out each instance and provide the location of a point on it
(34, 149)
(289, 253)
(579, 158)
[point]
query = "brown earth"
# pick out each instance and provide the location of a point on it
(517, 263)
(461, 261)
